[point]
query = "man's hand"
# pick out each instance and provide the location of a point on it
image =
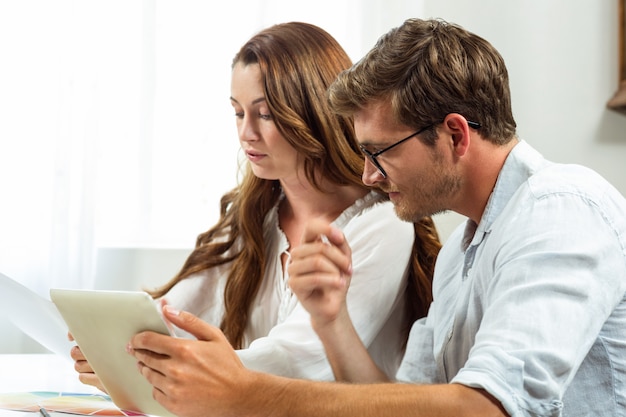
(191, 377)
(320, 273)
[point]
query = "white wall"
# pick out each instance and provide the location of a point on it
(125, 269)
(562, 57)
(136, 269)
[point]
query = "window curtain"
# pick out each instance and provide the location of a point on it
(115, 123)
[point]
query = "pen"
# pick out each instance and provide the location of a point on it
(43, 412)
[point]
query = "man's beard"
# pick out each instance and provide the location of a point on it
(420, 202)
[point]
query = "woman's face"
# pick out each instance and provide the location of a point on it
(270, 155)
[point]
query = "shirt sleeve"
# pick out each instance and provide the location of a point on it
(544, 297)
(201, 294)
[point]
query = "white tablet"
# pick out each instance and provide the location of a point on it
(102, 323)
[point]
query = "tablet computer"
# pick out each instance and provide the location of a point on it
(102, 323)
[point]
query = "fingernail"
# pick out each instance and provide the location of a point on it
(171, 310)
(129, 348)
(336, 233)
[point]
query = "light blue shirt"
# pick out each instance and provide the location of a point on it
(530, 304)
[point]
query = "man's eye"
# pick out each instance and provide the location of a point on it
(369, 149)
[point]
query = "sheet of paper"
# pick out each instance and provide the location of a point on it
(36, 316)
(62, 402)
(13, 413)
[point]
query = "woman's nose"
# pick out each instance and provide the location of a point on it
(247, 131)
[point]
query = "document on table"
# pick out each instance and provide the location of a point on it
(35, 315)
(60, 402)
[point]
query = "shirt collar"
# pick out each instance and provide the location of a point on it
(521, 163)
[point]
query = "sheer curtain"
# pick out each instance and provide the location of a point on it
(115, 124)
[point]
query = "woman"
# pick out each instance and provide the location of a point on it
(303, 163)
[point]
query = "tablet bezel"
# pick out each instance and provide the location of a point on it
(102, 323)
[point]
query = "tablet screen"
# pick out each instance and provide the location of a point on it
(102, 323)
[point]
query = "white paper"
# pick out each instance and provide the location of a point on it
(36, 316)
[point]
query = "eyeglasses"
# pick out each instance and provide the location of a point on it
(373, 157)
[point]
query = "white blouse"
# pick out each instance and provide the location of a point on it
(279, 338)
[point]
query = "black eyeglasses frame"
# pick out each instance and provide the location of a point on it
(373, 157)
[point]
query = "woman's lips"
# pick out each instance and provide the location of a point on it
(254, 156)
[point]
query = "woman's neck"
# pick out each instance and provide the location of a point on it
(306, 202)
(303, 203)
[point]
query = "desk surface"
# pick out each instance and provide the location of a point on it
(38, 372)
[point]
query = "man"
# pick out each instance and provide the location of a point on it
(529, 310)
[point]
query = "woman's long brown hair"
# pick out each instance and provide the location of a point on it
(298, 61)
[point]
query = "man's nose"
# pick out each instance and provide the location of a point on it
(371, 174)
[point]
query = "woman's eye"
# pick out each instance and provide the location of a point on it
(265, 116)
(239, 114)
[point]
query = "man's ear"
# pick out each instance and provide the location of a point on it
(456, 126)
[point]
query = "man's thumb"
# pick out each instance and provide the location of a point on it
(189, 323)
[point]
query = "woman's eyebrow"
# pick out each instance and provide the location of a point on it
(255, 101)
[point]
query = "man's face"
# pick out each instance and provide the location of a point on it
(421, 180)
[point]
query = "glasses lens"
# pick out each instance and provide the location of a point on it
(378, 166)
(374, 161)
